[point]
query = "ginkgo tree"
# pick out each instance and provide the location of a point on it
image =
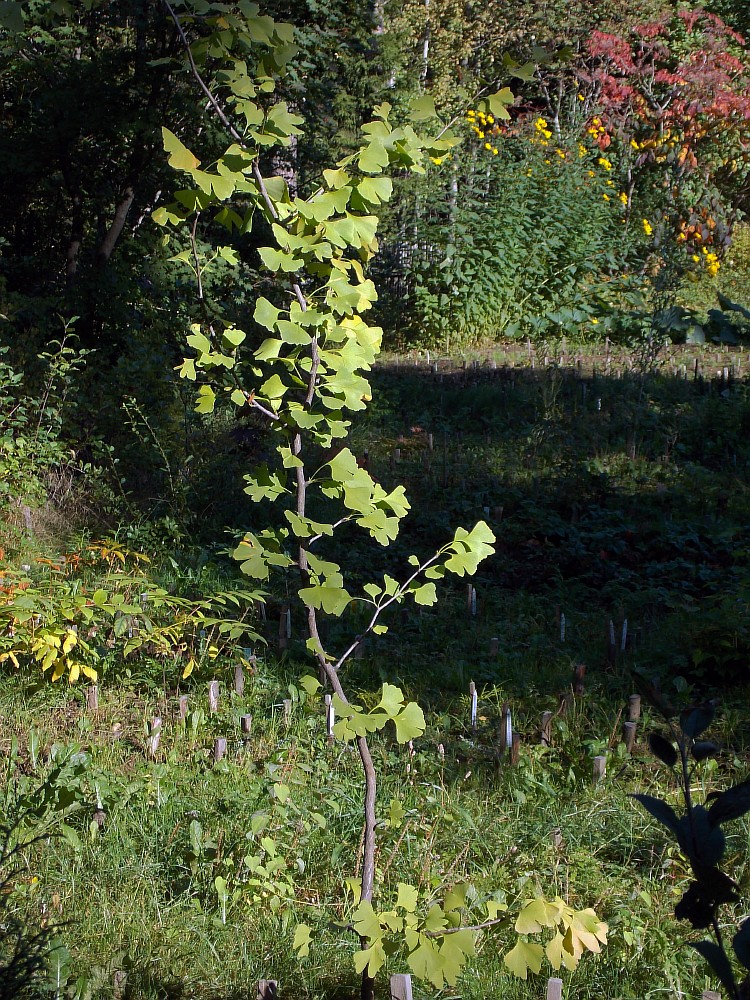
(305, 378)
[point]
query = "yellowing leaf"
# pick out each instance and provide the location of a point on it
(366, 922)
(524, 956)
(372, 958)
(189, 667)
(554, 951)
(536, 914)
(410, 723)
(310, 684)
(407, 897)
(302, 940)
(422, 108)
(180, 156)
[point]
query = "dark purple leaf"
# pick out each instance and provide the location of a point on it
(693, 721)
(695, 907)
(731, 804)
(662, 748)
(660, 810)
(704, 749)
(741, 943)
(718, 962)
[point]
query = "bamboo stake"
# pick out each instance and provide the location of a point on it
(213, 696)
(401, 987)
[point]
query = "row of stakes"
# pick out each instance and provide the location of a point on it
(400, 988)
(510, 740)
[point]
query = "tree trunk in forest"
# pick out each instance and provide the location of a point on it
(112, 235)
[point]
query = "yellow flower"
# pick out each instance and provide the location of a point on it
(591, 173)
(437, 160)
(540, 124)
(713, 270)
(696, 258)
(560, 153)
(494, 151)
(606, 197)
(647, 227)
(594, 320)
(480, 133)
(610, 184)
(491, 119)
(596, 121)
(546, 133)
(581, 150)
(581, 97)
(604, 162)
(623, 198)
(488, 145)
(681, 237)
(634, 144)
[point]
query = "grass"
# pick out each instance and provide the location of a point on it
(613, 496)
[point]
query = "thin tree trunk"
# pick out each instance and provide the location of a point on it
(112, 235)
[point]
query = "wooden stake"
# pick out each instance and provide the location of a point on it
(494, 646)
(566, 702)
(284, 626)
(246, 725)
(330, 717)
(579, 675)
(634, 708)
(119, 984)
(287, 711)
(611, 645)
(401, 987)
(546, 728)
(554, 989)
(152, 743)
(220, 748)
(473, 706)
(515, 748)
(710, 995)
(267, 989)
(183, 706)
(506, 728)
(600, 769)
(628, 735)
(92, 698)
(239, 680)
(213, 696)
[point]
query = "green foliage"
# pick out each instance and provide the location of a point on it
(69, 629)
(531, 243)
(24, 950)
(35, 421)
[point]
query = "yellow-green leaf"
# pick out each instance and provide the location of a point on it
(524, 956)
(180, 156)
